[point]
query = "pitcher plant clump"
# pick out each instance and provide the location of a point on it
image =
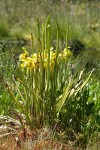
(46, 82)
(33, 62)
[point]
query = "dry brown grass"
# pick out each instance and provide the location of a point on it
(36, 140)
(39, 139)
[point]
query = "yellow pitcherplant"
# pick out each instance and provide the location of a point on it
(53, 55)
(33, 61)
(23, 56)
(45, 63)
(66, 53)
(28, 63)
